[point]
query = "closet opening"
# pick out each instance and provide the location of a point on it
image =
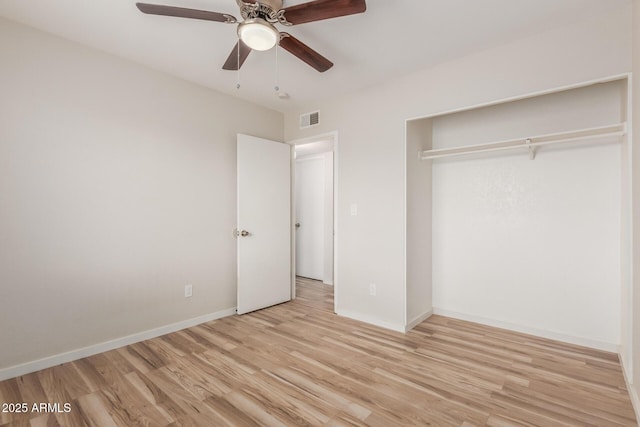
(518, 215)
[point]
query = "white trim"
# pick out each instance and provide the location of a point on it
(371, 320)
(633, 395)
(628, 368)
(336, 205)
(292, 216)
(48, 362)
(405, 287)
(318, 156)
(417, 320)
(316, 138)
(571, 339)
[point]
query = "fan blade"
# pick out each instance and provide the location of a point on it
(180, 12)
(232, 60)
(318, 10)
(305, 53)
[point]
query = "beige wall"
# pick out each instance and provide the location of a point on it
(371, 127)
(117, 188)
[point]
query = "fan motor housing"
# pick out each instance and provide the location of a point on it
(276, 5)
(269, 10)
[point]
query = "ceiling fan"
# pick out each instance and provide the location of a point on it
(257, 30)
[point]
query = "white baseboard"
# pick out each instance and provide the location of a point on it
(57, 359)
(417, 320)
(634, 401)
(585, 342)
(371, 320)
(633, 395)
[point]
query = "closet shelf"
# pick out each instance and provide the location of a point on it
(529, 143)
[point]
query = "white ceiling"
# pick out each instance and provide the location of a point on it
(391, 38)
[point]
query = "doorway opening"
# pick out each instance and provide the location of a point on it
(314, 213)
(314, 294)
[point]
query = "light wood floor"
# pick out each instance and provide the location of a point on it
(299, 364)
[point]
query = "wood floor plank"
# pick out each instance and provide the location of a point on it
(256, 411)
(299, 364)
(180, 403)
(45, 420)
(153, 397)
(10, 393)
(94, 411)
(56, 393)
(231, 415)
(31, 388)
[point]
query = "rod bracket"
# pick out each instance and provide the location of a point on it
(532, 150)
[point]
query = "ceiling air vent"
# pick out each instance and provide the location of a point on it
(309, 119)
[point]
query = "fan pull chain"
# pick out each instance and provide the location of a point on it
(277, 87)
(238, 63)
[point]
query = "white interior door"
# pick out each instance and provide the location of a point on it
(310, 211)
(264, 223)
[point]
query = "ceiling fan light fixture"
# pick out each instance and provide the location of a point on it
(258, 34)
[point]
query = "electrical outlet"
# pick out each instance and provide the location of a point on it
(372, 289)
(188, 291)
(354, 209)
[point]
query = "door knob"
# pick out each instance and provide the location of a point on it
(297, 225)
(243, 233)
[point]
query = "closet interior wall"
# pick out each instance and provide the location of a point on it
(531, 245)
(418, 269)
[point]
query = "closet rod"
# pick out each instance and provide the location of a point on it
(619, 129)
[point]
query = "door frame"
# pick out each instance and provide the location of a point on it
(333, 136)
